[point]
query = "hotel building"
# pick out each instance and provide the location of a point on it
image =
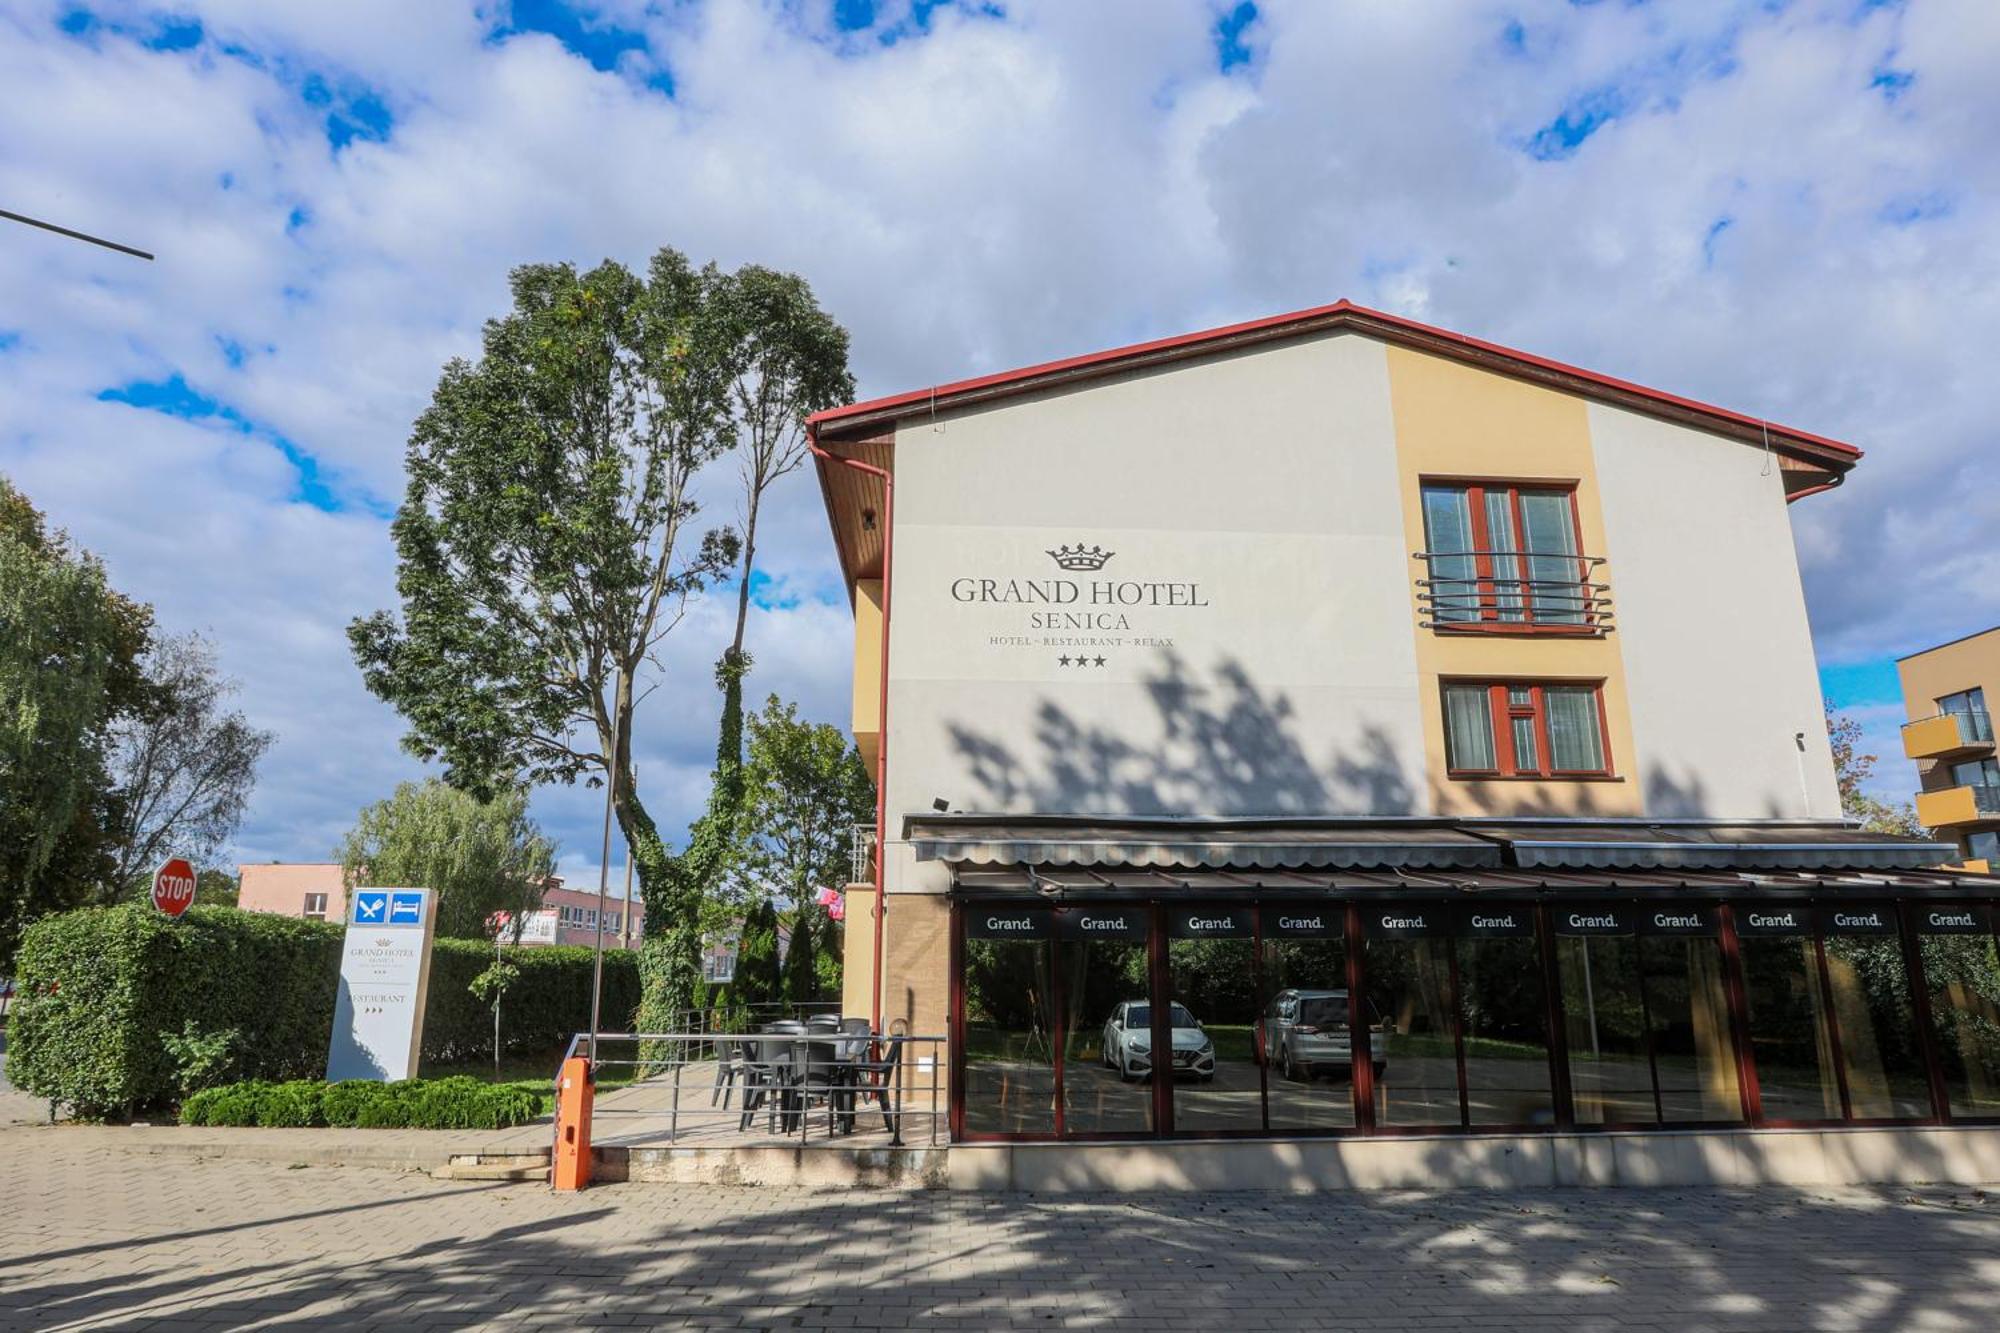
(1388, 732)
(1950, 736)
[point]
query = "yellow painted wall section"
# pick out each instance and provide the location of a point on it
(867, 668)
(1455, 421)
(857, 951)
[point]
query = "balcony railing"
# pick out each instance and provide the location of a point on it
(1513, 592)
(1966, 803)
(861, 854)
(1944, 733)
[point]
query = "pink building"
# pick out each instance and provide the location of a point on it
(569, 916)
(310, 889)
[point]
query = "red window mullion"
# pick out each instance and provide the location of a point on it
(1503, 730)
(1482, 563)
(1546, 754)
(1521, 561)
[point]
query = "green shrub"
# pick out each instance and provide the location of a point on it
(122, 1009)
(293, 1105)
(458, 1102)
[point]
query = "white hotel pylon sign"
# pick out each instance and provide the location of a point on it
(378, 1017)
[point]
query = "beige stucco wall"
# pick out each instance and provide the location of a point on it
(1263, 483)
(282, 888)
(1712, 619)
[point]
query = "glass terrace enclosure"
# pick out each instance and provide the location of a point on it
(1399, 1015)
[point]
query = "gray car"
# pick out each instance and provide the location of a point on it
(1305, 1033)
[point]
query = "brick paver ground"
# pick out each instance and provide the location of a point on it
(95, 1237)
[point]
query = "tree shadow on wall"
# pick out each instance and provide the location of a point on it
(1223, 747)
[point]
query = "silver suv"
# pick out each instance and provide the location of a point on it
(1128, 1042)
(1305, 1032)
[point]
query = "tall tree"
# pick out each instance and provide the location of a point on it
(548, 543)
(807, 788)
(69, 652)
(479, 857)
(183, 763)
(1852, 767)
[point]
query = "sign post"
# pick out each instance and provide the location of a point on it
(173, 886)
(378, 1017)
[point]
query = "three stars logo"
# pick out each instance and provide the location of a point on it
(1080, 660)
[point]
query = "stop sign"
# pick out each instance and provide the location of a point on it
(173, 886)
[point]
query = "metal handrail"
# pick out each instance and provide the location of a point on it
(861, 847)
(885, 1069)
(1975, 727)
(1474, 600)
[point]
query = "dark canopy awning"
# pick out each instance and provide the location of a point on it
(1061, 883)
(1412, 843)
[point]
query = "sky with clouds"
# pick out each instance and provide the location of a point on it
(1792, 209)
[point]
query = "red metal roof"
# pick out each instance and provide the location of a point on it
(1832, 452)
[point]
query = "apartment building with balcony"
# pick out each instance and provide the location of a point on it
(1383, 732)
(1950, 736)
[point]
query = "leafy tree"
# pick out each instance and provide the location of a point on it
(806, 790)
(1851, 769)
(547, 544)
(479, 857)
(182, 765)
(491, 987)
(757, 979)
(69, 652)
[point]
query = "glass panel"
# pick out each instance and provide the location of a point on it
(1107, 1051)
(1448, 528)
(1501, 537)
(1976, 773)
(1409, 988)
(1611, 1080)
(1505, 1011)
(1558, 594)
(1878, 1026)
(1303, 1035)
(1962, 972)
(1788, 1033)
(1526, 760)
(1468, 728)
(1574, 745)
(1983, 846)
(1010, 1068)
(1217, 1085)
(1694, 1052)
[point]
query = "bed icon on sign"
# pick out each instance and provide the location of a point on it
(406, 909)
(371, 908)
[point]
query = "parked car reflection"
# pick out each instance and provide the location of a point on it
(1305, 1033)
(1128, 1042)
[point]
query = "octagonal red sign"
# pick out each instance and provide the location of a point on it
(173, 886)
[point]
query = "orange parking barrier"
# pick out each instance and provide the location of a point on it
(575, 1091)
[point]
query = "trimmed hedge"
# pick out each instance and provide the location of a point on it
(459, 1102)
(120, 1009)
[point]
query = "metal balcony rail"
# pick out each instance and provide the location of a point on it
(1974, 726)
(1483, 590)
(812, 1083)
(861, 848)
(1985, 797)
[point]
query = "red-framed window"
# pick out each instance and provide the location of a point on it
(1525, 729)
(1508, 557)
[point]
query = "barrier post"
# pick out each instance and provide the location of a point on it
(575, 1093)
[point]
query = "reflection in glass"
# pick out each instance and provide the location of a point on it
(1107, 1050)
(1506, 1039)
(1788, 1033)
(1963, 975)
(1611, 1080)
(1010, 1071)
(1409, 986)
(1694, 1052)
(1216, 1081)
(1303, 1037)
(1878, 1028)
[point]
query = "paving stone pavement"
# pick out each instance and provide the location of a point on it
(100, 1238)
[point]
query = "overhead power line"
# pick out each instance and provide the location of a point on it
(75, 235)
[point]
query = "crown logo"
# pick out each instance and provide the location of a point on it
(1081, 557)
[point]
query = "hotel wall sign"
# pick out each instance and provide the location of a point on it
(1404, 920)
(1593, 918)
(1081, 604)
(1773, 919)
(1496, 922)
(1674, 919)
(1858, 919)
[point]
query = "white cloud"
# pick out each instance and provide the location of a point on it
(984, 191)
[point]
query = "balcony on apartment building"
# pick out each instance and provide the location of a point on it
(1957, 806)
(1949, 735)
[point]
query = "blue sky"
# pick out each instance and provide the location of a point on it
(1784, 206)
